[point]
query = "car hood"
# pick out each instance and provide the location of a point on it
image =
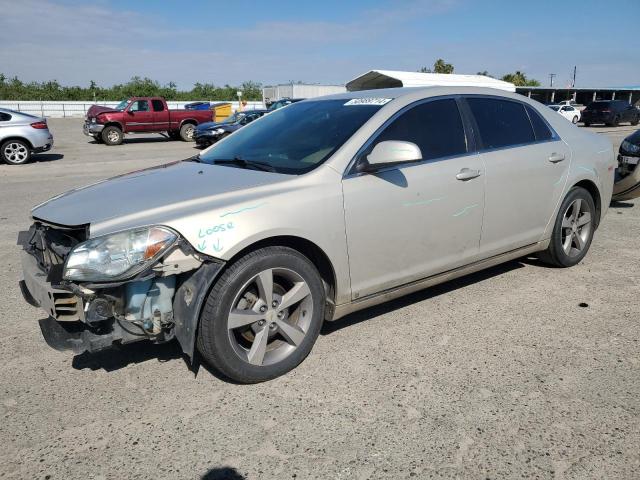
(160, 193)
(212, 125)
(634, 138)
(95, 110)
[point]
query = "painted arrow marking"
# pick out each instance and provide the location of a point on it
(217, 246)
(202, 246)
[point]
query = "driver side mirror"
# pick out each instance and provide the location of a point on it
(389, 153)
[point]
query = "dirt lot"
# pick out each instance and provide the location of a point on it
(499, 375)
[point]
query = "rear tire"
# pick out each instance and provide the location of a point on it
(112, 135)
(574, 120)
(15, 152)
(262, 316)
(187, 132)
(573, 230)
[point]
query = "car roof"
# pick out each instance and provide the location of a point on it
(428, 91)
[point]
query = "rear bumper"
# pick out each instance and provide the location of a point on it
(591, 118)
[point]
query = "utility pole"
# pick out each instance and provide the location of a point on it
(574, 76)
(551, 75)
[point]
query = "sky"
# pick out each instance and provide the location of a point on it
(327, 41)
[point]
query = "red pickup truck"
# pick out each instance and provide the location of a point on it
(142, 115)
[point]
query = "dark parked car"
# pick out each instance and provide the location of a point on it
(627, 186)
(210, 132)
(610, 112)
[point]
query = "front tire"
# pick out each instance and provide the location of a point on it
(262, 316)
(112, 135)
(15, 152)
(574, 120)
(187, 132)
(573, 230)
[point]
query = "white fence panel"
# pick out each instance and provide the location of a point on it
(71, 109)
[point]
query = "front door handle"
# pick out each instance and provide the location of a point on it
(467, 174)
(556, 157)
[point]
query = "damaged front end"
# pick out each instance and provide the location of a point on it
(627, 180)
(143, 284)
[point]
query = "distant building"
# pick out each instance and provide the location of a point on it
(298, 90)
(582, 95)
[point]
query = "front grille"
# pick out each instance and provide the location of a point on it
(66, 306)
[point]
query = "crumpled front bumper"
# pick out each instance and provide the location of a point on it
(74, 321)
(91, 129)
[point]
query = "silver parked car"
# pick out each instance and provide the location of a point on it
(312, 212)
(22, 135)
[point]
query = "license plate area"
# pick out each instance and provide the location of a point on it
(629, 160)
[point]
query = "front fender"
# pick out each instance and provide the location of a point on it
(188, 302)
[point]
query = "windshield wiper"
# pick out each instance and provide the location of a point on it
(241, 162)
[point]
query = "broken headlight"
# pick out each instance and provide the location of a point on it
(117, 256)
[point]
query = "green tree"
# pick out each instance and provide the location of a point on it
(440, 66)
(519, 79)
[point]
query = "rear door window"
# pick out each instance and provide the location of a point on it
(158, 105)
(435, 126)
(501, 123)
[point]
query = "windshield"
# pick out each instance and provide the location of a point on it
(555, 107)
(295, 139)
(122, 105)
(236, 117)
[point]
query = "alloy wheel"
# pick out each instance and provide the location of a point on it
(577, 226)
(113, 136)
(270, 316)
(16, 152)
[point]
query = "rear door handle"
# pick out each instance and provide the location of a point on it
(467, 174)
(556, 157)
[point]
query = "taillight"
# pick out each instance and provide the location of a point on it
(39, 125)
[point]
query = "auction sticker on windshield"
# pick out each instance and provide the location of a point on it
(368, 101)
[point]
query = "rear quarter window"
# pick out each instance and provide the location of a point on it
(501, 123)
(4, 117)
(540, 127)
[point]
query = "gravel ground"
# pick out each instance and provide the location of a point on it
(502, 374)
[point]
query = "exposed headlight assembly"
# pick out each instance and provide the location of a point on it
(117, 256)
(630, 147)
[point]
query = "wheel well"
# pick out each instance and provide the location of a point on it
(8, 139)
(189, 121)
(591, 187)
(113, 124)
(305, 247)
